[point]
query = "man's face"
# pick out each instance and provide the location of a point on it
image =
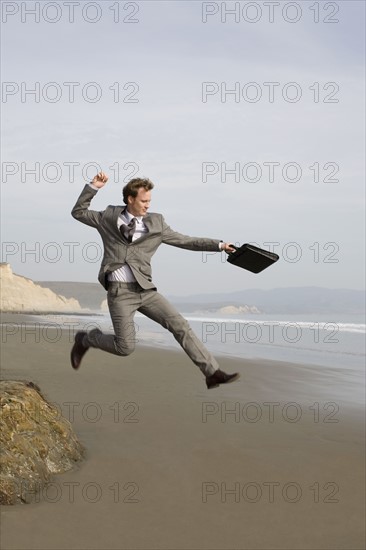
(138, 206)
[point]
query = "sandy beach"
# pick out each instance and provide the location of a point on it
(273, 461)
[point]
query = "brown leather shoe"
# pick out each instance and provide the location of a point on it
(78, 350)
(220, 377)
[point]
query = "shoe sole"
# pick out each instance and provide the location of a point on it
(223, 383)
(75, 367)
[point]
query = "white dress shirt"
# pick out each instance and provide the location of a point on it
(124, 273)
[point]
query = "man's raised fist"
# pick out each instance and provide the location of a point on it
(100, 180)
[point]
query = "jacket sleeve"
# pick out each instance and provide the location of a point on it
(81, 210)
(173, 238)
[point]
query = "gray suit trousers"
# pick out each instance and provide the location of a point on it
(124, 299)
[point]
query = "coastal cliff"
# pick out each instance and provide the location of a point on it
(19, 294)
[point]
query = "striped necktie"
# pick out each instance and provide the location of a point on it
(128, 230)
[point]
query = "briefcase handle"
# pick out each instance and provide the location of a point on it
(233, 246)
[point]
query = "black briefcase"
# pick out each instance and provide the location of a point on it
(252, 258)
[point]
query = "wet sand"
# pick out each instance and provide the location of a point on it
(273, 461)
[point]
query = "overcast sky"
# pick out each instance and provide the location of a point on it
(161, 70)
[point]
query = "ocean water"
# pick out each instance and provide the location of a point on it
(337, 342)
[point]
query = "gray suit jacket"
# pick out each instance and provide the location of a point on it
(117, 250)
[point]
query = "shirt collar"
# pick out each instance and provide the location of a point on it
(129, 216)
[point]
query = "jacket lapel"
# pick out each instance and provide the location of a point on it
(148, 222)
(115, 214)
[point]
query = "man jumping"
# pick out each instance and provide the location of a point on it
(131, 235)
